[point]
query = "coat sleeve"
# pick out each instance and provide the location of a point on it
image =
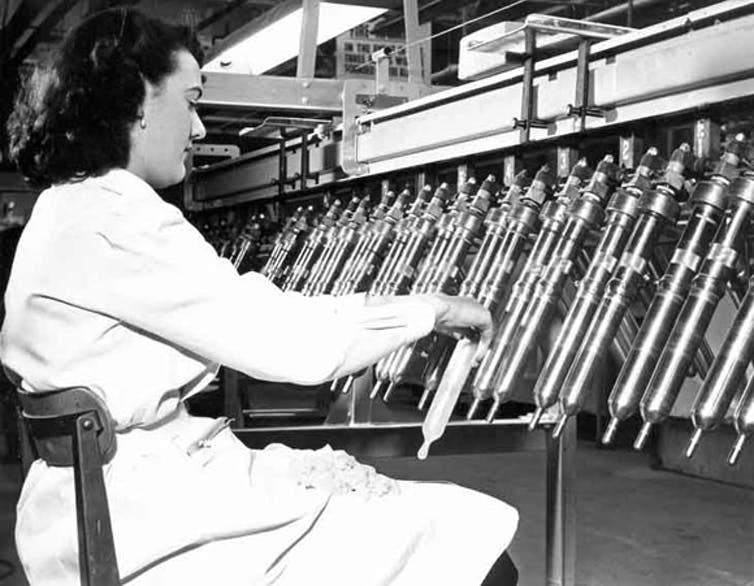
(150, 269)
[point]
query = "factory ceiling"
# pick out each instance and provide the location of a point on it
(30, 29)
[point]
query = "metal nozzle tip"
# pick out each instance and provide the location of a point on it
(736, 450)
(347, 385)
(376, 388)
(535, 418)
(334, 385)
(388, 392)
(560, 426)
(424, 399)
(473, 409)
(694, 442)
(491, 413)
(641, 439)
(609, 435)
(423, 451)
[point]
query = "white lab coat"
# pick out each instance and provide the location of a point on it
(113, 289)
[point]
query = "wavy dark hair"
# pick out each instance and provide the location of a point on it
(72, 117)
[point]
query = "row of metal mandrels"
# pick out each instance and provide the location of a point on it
(588, 250)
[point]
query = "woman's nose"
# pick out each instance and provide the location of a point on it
(198, 131)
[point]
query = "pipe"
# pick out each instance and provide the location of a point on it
(289, 248)
(444, 278)
(344, 245)
(421, 229)
(584, 215)
(366, 237)
(743, 420)
(523, 220)
(279, 242)
(658, 209)
(516, 224)
(494, 224)
(403, 230)
(727, 374)
(694, 318)
(614, 11)
(622, 211)
(708, 203)
(312, 249)
(444, 231)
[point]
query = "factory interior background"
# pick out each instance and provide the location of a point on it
(567, 154)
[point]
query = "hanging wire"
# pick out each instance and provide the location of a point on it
(405, 47)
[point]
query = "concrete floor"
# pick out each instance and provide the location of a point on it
(636, 526)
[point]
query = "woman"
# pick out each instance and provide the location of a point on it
(112, 289)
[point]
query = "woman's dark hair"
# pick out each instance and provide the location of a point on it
(72, 118)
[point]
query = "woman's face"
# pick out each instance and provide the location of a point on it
(160, 144)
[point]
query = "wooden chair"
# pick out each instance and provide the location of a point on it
(73, 427)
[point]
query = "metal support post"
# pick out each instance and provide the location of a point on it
(232, 399)
(567, 158)
(307, 45)
(413, 51)
(561, 507)
(527, 120)
(463, 171)
(581, 107)
(706, 139)
(509, 170)
(630, 150)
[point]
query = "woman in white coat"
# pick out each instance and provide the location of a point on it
(111, 288)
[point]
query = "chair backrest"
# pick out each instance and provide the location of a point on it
(73, 427)
(50, 415)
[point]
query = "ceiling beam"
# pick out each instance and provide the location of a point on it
(41, 27)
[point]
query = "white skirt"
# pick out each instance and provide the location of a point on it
(230, 515)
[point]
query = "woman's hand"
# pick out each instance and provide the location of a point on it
(462, 317)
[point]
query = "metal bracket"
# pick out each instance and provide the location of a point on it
(581, 108)
(215, 150)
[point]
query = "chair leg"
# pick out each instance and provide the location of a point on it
(97, 561)
(25, 444)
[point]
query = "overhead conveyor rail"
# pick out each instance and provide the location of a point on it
(692, 62)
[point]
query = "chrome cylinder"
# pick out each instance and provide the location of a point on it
(622, 212)
(658, 208)
(584, 215)
(694, 318)
(743, 420)
(727, 374)
(707, 203)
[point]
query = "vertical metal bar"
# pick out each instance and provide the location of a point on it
(462, 175)
(527, 94)
(307, 44)
(231, 397)
(420, 180)
(509, 170)
(582, 83)
(706, 139)
(630, 15)
(561, 508)
(413, 54)
(384, 187)
(304, 159)
(96, 549)
(282, 166)
(567, 158)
